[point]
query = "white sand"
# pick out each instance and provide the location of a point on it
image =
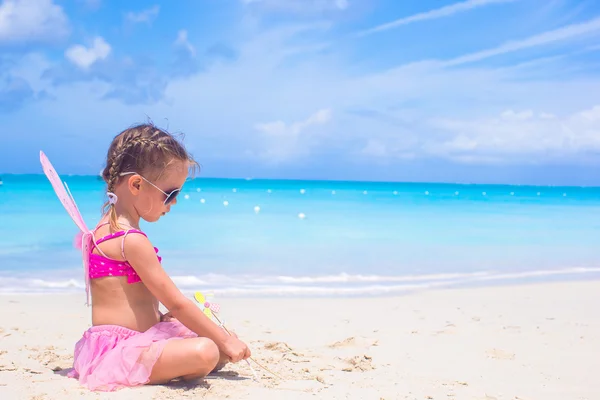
(531, 342)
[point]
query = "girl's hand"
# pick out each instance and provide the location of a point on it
(168, 317)
(235, 349)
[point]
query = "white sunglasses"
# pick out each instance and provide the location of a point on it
(169, 196)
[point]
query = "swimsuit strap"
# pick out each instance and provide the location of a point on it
(116, 235)
(123, 241)
(94, 239)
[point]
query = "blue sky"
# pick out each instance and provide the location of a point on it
(456, 91)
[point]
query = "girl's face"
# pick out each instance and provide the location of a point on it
(154, 198)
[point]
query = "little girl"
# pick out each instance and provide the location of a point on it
(131, 343)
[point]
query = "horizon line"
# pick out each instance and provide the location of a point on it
(250, 179)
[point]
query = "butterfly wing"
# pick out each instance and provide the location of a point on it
(86, 248)
(208, 313)
(65, 197)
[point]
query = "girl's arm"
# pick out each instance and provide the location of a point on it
(141, 255)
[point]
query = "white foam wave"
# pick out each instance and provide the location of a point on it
(187, 281)
(538, 273)
(374, 290)
(347, 278)
(327, 285)
(218, 279)
(21, 285)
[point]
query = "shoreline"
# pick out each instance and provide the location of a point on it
(530, 341)
(338, 286)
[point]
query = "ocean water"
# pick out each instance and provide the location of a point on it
(356, 238)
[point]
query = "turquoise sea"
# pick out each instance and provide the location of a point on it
(355, 238)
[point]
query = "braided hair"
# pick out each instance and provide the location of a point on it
(139, 148)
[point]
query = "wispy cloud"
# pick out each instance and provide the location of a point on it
(518, 136)
(284, 141)
(280, 128)
(147, 16)
(557, 35)
(186, 62)
(276, 86)
(442, 12)
(183, 42)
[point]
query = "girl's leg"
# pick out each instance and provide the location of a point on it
(190, 358)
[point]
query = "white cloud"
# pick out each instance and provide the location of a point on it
(285, 141)
(32, 21)
(517, 115)
(441, 12)
(422, 109)
(84, 57)
(468, 114)
(557, 35)
(148, 15)
(590, 116)
(518, 137)
(280, 128)
(544, 115)
(183, 42)
(375, 148)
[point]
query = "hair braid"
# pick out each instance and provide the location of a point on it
(116, 168)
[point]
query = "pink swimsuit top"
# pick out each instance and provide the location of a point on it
(102, 266)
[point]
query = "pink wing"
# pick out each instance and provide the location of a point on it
(65, 197)
(86, 249)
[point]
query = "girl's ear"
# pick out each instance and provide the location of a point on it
(134, 184)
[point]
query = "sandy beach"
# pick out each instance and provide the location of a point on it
(529, 342)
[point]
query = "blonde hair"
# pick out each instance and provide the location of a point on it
(140, 149)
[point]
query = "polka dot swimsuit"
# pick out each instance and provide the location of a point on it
(102, 266)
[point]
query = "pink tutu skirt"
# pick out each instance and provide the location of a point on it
(110, 357)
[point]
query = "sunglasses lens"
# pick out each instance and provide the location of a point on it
(171, 197)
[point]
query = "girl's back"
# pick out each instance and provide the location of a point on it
(115, 300)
